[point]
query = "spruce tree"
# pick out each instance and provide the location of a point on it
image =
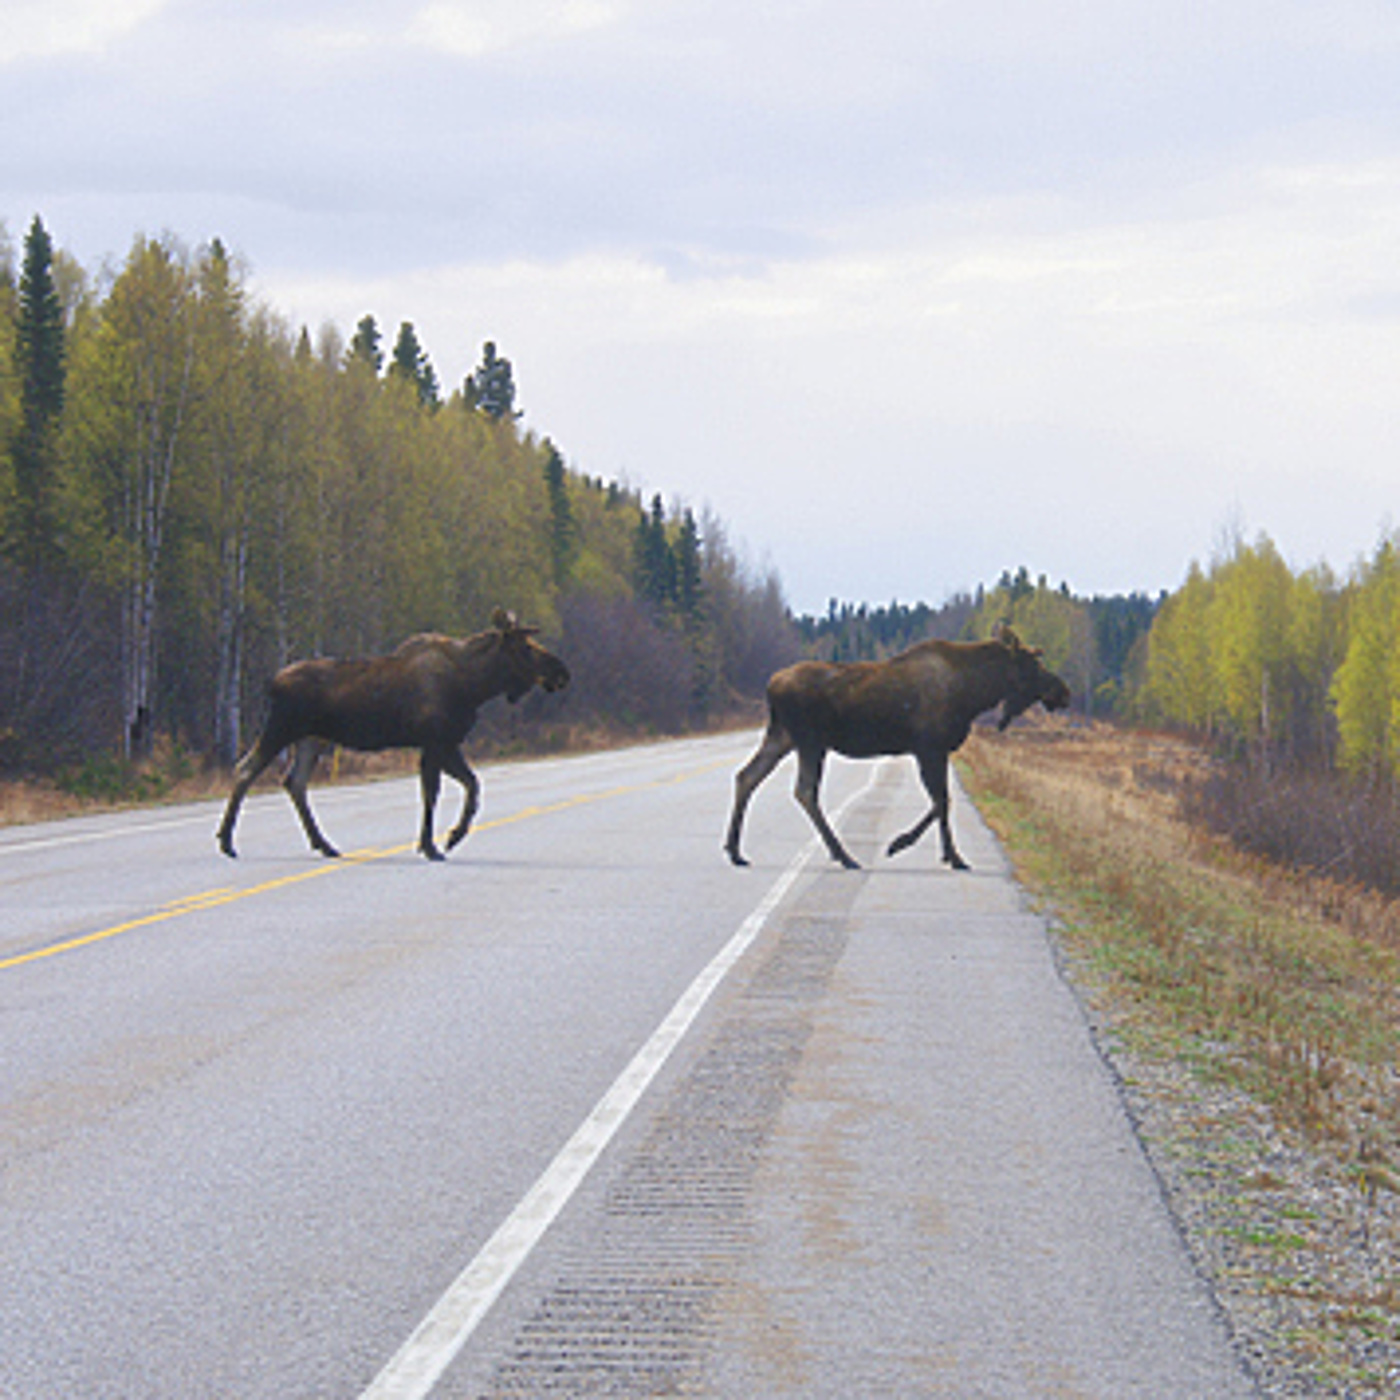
(563, 531)
(491, 386)
(364, 344)
(686, 553)
(410, 361)
(42, 358)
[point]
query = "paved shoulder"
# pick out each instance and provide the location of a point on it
(952, 1201)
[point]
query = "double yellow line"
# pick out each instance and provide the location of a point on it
(215, 899)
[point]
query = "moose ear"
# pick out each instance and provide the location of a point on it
(1003, 633)
(503, 621)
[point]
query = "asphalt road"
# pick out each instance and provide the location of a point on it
(583, 1110)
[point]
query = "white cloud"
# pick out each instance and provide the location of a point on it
(473, 28)
(40, 28)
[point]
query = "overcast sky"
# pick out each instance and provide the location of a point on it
(907, 292)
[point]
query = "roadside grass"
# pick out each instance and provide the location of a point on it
(1252, 1012)
(1286, 985)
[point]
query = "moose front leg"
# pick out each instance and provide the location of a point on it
(775, 747)
(933, 769)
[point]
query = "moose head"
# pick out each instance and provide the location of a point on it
(527, 661)
(1031, 681)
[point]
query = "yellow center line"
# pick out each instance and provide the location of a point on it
(231, 894)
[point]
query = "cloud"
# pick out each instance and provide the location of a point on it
(475, 28)
(901, 259)
(43, 28)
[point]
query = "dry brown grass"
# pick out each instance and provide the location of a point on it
(1294, 978)
(27, 800)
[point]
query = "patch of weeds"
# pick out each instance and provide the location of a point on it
(108, 778)
(113, 779)
(1262, 1237)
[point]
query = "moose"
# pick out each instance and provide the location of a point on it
(921, 702)
(424, 695)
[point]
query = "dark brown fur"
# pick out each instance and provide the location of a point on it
(921, 702)
(424, 695)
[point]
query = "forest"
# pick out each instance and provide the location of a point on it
(194, 492)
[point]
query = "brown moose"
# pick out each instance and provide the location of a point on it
(424, 695)
(921, 702)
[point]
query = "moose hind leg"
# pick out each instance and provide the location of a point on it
(933, 769)
(458, 767)
(775, 747)
(905, 839)
(245, 775)
(430, 776)
(809, 777)
(304, 760)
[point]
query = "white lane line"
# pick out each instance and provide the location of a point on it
(430, 1349)
(23, 846)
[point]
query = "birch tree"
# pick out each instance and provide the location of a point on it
(1366, 689)
(139, 400)
(1180, 680)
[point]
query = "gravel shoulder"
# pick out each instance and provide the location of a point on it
(1305, 1267)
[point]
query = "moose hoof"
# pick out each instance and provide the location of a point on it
(226, 846)
(455, 839)
(900, 843)
(735, 857)
(432, 853)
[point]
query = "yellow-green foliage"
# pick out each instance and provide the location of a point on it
(1366, 690)
(1247, 649)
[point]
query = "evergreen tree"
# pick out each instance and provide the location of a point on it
(42, 368)
(410, 362)
(491, 387)
(655, 564)
(563, 531)
(689, 580)
(365, 344)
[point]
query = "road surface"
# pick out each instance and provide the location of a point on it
(582, 1111)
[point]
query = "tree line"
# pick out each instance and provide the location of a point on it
(194, 492)
(1094, 643)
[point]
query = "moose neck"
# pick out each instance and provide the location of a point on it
(989, 679)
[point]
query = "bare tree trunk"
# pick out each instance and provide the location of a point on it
(160, 419)
(228, 702)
